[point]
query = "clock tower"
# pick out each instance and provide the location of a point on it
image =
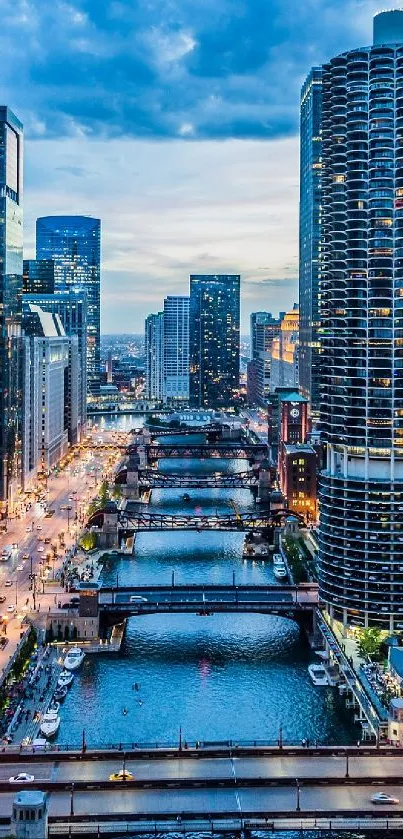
(293, 418)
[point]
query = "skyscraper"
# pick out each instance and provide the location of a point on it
(176, 349)
(214, 316)
(263, 330)
(38, 276)
(74, 244)
(154, 350)
(309, 235)
(361, 488)
(284, 353)
(11, 186)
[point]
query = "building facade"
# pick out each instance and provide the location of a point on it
(71, 307)
(176, 349)
(11, 258)
(298, 479)
(74, 244)
(284, 362)
(214, 322)
(361, 488)
(309, 235)
(38, 276)
(264, 328)
(154, 351)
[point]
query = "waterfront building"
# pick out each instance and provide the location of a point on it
(74, 244)
(11, 242)
(298, 478)
(284, 361)
(71, 306)
(309, 235)
(263, 330)
(287, 420)
(176, 349)
(361, 373)
(51, 394)
(38, 276)
(154, 350)
(214, 317)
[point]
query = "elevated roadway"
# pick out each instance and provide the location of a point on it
(138, 521)
(235, 450)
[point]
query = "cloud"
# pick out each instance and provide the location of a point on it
(231, 69)
(167, 211)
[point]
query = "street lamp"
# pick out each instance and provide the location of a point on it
(298, 805)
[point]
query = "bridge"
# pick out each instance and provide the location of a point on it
(216, 787)
(295, 602)
(150, 479)
(236, 450)
(138, 521)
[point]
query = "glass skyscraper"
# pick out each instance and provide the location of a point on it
(38, 276)
(263, 329)
(309, 235)
(74, 244)
(154, 351)
(176, 349)
(11, 242)
(214, 339)
(361, 379)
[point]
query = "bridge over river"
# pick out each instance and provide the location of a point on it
(190, 790)
(138, 521)
(150, 479)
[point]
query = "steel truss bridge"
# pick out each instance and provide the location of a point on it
(238, 451)
(150, 479)
(139, 521)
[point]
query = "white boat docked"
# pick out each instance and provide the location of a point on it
(65, 679)
(277, 560)
(280, 572)
(318, 675)
(74, 659)
(50, 724)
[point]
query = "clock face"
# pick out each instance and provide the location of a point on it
(294, 413)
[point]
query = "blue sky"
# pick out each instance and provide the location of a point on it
(175, 121)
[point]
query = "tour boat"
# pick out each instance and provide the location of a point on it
(74, 659)
(318, 675)
(50, 724)
(280, 572)
(54, 707)
(60, 693)
(65, 679)
(277, 560)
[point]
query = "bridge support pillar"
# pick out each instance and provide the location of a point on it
(131, 488)
(142, 453)
(108, 536)
(265, 482)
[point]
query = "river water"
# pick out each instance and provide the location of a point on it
(237, 677)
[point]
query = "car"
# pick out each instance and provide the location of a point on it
(19, 568)
(122, 775)
(11, 608)
(8, 583)
(21, 778)
(39, 527)
(47, 540)
(384, 798)
(2, 598)
(25, 556)
(40, 549)
(28, 528)
(136, 598)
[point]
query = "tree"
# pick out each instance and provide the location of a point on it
(369, 643)
(117, 492)
(104, 495)
(88, 540)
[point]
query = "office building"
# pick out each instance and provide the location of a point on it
(263, 330)
(298, 479)
(51, 395)
(361, 488)
(176, 349)
(252, 382)
(71, 307)
(11, 242)
(309, 236)
(284, 361)
(287, 420)
(214, 317)
(38, 276)
(154, 351)
(74, 244)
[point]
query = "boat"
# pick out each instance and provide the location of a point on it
(54, 706)
(280, 572)
(323, 654)
(50, 724)
(65, 679)
(277, 560)
(318, 675)
(60, 694)
(74, 659)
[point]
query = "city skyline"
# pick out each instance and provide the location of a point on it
(166, 228)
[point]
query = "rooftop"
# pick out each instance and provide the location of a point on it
(30, 798)
(291, 396)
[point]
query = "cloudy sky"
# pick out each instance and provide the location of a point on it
(175, 122)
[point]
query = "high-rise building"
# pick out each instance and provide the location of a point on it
(361, 487)
(214, 317)
(263, 330)
(309, 236)
(176, 349)
(11, 242)
(38, 276)
(71, 307)
(154, 351)
(284, 362)
(74, 244)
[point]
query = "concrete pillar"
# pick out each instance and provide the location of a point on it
(29, 819)
(108, 537)
(142, 453)
(264, 482)
(132, 482)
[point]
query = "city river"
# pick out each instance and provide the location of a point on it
(221, 677)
